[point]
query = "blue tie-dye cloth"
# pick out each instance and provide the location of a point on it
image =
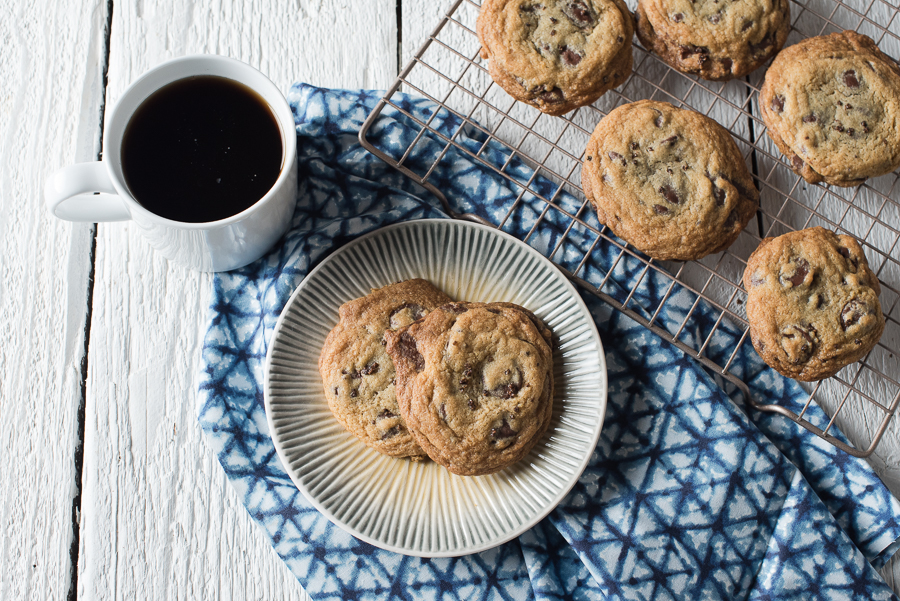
(685, 497)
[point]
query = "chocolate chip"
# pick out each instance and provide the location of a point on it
(392, 432)
(747, 25)
(837, 126)
(778, 103)
(678, 17)
(799, 342)
(799, 276)
(660, 210)
(614, 156)
(473, 404)
(387, 413)
(408, 350)
(865, 127)
(552, 96)
(719, 195)
(714, 19)
(732, 219)
(552, 32)
(811, 118)
(670, 139)
(416, 312)
(620, 39)
(670, 194)
(850, 132)
(853, 312)
(354, 394)
(368, 370)
(659, 120)
(569, 57)
(457, 308)
(691, 50)
(850, 79)
(504, 431)
(503, 391)
(757, 279)
(443, 412)
(579, 13)
(797, 162)
(763, 45)
(335, 391)
(727, 64)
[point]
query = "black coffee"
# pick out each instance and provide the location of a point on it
(201, 149)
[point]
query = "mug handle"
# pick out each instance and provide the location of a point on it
(84, 192)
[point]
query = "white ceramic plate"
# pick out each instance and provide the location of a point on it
(421, 508)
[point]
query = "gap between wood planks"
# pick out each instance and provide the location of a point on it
(79, 444)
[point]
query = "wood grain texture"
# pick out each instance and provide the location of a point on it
(50, 99)
(160, 520)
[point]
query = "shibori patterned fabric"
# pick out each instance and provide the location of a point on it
(686, 495)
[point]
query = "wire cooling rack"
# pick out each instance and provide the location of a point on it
(448, 70)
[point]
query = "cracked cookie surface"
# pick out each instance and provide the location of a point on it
(812, 303)
(475, 384)
(715, 39)
(556, 55)
(832, 106)
(358, 374)
(670, 181)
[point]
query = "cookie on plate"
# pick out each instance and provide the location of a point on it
(812, 303)
(832, 106)
(670, 181)
(556, 55)
(715, 39)
(358, 373)
(475, 384)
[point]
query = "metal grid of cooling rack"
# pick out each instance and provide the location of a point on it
(448, 70)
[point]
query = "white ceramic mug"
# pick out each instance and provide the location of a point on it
(97, 191)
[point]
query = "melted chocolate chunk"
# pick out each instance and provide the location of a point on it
(503, 391)
(719, 195)
(457, 308)
(660, 210)
(504, 431)
(368, 370)
(763, 45)
(797, 162)
(678, 17)
(579, 13)
(392, 432)
(442, 411)
(690, 50)
(778, 103)
(417, 312)
(853, 312)
(811, 118)
(757, 279)
(408, 350)
(732, 219)
(569, 57)
(670, 194)
(615, 156)
(385, 414)
(799, 342)
(658, 122)
(354, 393)
(671, 139)
(727, 64)
(552, 96)
(799, 275)
(850, 79)
(747, 25)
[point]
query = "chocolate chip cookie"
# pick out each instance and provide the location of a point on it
(358, 373)
(812, 303)
(556, 55)
(475, 384)
(715, 39)
(832, 106)
(670, 181)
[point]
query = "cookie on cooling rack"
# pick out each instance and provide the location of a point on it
(832, 106)
(715, 39)
(556, 55)
(358, 373)
(812, 303)
(670, 181)
(475, 384)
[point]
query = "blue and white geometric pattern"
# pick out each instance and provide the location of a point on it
(685, 497)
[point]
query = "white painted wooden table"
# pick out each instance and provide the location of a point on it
(101, 336)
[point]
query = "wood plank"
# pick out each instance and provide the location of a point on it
(51, 68)
(160, 520)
